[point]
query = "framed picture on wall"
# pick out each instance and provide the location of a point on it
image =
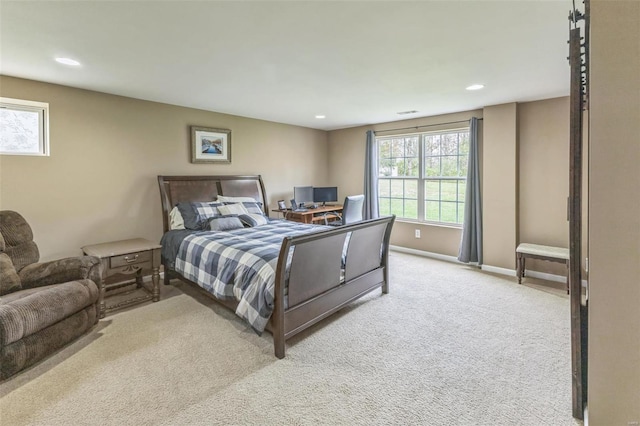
(209, 145)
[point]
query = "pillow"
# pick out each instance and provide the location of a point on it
(253, 219)
(236, 209)
(225, 199)
(206, 210)
(175, 219)
(189, 216)
(253, 207)
(224, 223)
(250, 206)
(9, 279)
(195, 215)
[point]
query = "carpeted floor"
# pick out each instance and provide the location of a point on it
(449, 345)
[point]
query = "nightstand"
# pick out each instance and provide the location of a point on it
(127, 257)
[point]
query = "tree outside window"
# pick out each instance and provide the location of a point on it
(423, 176)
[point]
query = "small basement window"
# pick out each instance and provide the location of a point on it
(24, 127)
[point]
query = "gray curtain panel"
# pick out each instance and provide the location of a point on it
(371, 178)
(471, 243)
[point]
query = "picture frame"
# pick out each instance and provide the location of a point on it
(210, 145)
(282, 205)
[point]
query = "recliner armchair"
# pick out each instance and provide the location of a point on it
(351, 211)
(43, 306)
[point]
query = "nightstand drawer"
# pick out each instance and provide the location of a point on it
(130, 259)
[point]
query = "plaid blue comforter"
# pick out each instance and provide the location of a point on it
(239, 264)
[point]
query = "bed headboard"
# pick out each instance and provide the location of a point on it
(177, 189)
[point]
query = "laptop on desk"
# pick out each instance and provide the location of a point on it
(295, 207)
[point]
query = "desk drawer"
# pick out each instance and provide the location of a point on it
(130, 259)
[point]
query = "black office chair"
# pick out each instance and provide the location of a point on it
(351, 211)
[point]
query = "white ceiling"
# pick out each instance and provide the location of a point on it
(355, 62)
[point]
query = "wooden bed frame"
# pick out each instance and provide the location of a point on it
(314, 289)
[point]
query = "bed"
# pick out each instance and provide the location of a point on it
(298, 274)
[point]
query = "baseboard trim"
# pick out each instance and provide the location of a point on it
(498, 270)
(488, 268)
(529, 273)
(546, 276)
(423, 253)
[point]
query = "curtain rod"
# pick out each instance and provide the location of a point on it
(426, 125)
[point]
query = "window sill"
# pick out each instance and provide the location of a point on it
(422, 223)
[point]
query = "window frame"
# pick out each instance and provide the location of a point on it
(42, 109)
(422, 177)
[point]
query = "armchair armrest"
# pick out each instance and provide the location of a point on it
(61, 271)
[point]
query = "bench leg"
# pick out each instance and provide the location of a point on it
(520, 267)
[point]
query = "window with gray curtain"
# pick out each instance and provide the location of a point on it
(422, 176)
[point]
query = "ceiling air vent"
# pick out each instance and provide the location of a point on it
(413, 111)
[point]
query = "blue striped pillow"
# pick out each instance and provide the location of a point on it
(205, 211)
(195, 215)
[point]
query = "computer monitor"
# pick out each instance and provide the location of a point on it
(325, 194)
(303, 194)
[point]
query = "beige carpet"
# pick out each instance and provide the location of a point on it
(449, 345)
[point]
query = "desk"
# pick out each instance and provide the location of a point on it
(312, 215)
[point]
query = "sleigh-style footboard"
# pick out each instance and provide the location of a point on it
(328, 270)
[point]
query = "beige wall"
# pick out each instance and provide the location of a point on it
(543, 187)
(100, 182)
(346, 170)
(500, 185)
(614, 205)
(544, 176)
(524, 167)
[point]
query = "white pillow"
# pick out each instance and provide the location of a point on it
(228, 209)
(175, 219)
(225, 199)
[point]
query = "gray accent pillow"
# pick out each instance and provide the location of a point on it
(253, 219)
(225, 223)
(189, 216)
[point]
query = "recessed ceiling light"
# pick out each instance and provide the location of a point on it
(68, 61)
(475, 87)
(321, 116)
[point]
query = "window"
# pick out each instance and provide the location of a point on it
(24, 127)
(423, 176)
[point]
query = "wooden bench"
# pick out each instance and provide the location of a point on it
(535, 251)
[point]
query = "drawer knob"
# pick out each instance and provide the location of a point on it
(128, 260)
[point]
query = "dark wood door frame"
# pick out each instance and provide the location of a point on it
(578, 60)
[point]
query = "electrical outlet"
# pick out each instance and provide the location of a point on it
(417, 233)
